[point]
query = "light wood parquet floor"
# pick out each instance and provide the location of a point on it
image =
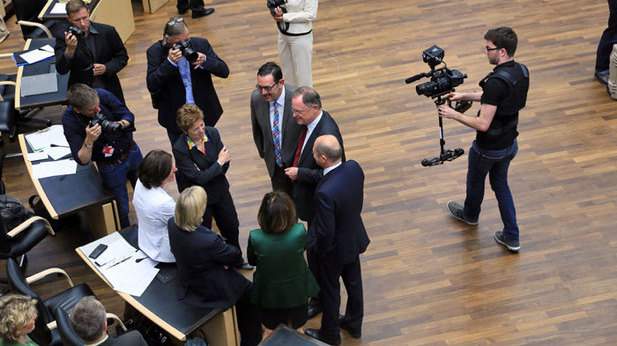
(427, 278)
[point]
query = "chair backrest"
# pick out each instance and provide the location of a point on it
(68, 336)
(18, 284)
(28, 10)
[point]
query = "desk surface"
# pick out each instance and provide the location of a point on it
(159, 302)
(66, 194)
(40, 67)
(46, 14)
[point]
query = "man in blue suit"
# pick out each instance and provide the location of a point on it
(335, 239)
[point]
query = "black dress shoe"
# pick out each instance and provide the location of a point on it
(314, 310)
(204, 12)
(354, 334)
(316, 334)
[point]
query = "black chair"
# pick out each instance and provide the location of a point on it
(27, 12)
(68, 336)
(45, 332)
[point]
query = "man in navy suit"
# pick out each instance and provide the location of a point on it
(335, 239)
(174, 80)
(305, 173)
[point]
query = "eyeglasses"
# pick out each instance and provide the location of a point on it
(266, 88)
(172, 22)
(488, 49)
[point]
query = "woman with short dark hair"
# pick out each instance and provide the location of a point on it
(282, 282)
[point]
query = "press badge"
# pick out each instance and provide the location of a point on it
(108, 151)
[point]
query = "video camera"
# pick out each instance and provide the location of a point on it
(443, 81)
(187, 50)
(106, 125)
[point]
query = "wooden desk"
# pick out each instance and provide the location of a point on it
(117, 13)
(41, 67)
(66, 194)
(159, 304)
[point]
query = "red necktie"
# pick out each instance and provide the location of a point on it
(299, 148)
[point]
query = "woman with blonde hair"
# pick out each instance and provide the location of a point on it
(17, 319)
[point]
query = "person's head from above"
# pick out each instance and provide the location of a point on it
(306, 105)
(270, 82)
(277, 213)
(78, 15)
(89, 320)
(327, 151)
(500, 45)
(190, 208)
(175, 30)
(84, 99)
(156, 169)
(17, 317)
(190, 120)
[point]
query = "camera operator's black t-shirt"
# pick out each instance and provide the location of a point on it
(494, 92)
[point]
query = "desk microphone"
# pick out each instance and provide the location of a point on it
(58, 145)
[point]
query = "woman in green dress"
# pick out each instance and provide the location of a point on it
(17, 317)
(282, 282)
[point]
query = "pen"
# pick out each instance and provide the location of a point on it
(115, 264)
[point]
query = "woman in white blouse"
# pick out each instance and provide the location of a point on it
(153, 206)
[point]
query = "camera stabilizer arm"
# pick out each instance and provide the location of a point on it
(446, 154)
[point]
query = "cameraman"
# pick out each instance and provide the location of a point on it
(93, 58)
(504, 93)
(295, 41)
(109, 142)
(173, 80)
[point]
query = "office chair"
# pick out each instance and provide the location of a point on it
(27, 12)
(68, 336)
(45, 332)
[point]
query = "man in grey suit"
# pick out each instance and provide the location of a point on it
(274, 130)
(89, 321)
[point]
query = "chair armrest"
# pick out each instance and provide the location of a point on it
(22, 226)
(6, 55)
(38, 276)
(38, 25)
(8, 82)
(117, 319)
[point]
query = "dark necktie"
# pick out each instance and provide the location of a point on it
(299, 148)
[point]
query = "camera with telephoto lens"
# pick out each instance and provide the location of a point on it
(75, 31)
(187, 50)
(272, 4)
(106, 125)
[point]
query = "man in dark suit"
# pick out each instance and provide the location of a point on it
(89, 321)
(335, 240)
(95, 57)
(173, 80)
(274, 129)
(305, 173)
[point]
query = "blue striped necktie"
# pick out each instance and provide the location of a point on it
(276, 136)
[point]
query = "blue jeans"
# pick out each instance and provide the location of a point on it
(114, 178)
(495, 163)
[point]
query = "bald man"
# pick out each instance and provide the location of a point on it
(335, 240)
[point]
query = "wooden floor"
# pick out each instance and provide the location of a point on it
(427, 278)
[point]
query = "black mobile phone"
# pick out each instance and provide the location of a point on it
(97, 251)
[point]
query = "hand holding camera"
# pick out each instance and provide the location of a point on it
(103, 124)
(186, 48)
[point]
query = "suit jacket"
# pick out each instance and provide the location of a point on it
(309, 173)
(337, 230)
(167, 90)
(130, 338)
(282, 278)
(110, 51)
(262, 130)
(205, 271)
(203, 170)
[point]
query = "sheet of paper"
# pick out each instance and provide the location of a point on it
(53, 168)
(59, 8)
(132, 276)
(36, 55)
(37, 156)
(47, 48)
(57, 152)
(44, 138)
(117, 251)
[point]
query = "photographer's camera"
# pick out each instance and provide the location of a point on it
(106, 125)
(75, 31)
(187, 50)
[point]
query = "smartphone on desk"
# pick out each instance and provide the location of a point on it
(97, 251)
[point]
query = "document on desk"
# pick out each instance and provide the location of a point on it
(36, 55)
(59, 8)
(52, 136)
(53, 168)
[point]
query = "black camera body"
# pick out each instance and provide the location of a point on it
(187, 50)
(75, 31)
(443, 80)
(272, 4)
(106, 125)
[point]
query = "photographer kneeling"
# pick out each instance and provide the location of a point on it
(99, 128)
(504, 93)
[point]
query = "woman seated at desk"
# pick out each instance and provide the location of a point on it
(204, 264)
(282, 282)
(203, 160)
(153, 206)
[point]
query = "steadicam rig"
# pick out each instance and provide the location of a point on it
(443, 80)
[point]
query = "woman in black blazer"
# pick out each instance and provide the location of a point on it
(204, 260)
(202, 159)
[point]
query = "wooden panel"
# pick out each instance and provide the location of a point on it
(151, 6)
(118, 13)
